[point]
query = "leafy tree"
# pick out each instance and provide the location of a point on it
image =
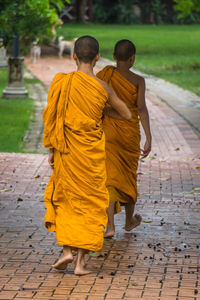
(187, 7)
(29, 18)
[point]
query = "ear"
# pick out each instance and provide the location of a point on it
(75, 56)
(132, 58)
(97, 57)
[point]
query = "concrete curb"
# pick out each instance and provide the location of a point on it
(33, 136)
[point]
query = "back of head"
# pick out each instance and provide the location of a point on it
(124, 49)
(86, 48)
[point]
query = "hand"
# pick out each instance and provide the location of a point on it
(147, 149)
(51, 159)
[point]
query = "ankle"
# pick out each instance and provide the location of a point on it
(128, 222)
(110, 228)
(67, 251)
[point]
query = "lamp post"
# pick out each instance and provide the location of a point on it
(16, 46)
(15, 88)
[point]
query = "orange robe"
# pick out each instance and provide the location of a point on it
(76, 197)
(122, 142)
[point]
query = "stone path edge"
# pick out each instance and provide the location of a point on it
(33, 136)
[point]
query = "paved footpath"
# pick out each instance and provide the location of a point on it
(159, 260)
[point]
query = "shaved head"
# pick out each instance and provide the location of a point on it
(86, 48)
(124, 49)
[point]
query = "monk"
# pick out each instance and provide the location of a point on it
(123, 137)
(76, 197)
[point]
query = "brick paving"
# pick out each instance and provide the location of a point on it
(159, 260)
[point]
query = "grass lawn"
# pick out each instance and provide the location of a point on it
(171, 52)
(14, 118)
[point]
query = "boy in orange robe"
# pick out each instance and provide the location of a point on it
(123, 137)
(76, 197)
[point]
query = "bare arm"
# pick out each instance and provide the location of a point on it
(112, 113)
(144, 117)
(118, 109)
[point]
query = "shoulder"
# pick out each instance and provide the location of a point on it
(109, 90)
(139, 80)
(105, 71)
(106, 68)
(58, 78)
(103, 83)
(136, 76)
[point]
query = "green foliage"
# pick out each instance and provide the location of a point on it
(158, 9)
(99, 13)
(126, 15)
(15, 116)
(29, 18)
(152, 11)
(114, 11)
(104, 11)
(187, 7)
(122, 12)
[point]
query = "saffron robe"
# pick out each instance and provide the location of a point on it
(76, 197)
(122, 142)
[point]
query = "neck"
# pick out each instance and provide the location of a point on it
(86, 68)
(122, 66)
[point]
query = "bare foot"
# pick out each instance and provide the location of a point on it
(109, 234)
(136, 220)
(63, 262)
(80, 271)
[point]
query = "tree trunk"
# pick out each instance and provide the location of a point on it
(81, 10)
(90, 4)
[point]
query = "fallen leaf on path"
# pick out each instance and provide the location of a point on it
(149, 158)
(96, 254)
(5, 190)
(148, 172)
(198, 169)
(3, 182)
(177, 149)
(163, 159)
(43, 183)
(36, 176)
(197, 189)
(164, 178)
(19, 199)
(147, 221)
(190, 192)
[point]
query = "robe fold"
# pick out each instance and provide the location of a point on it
(122, 142)
(76, 197)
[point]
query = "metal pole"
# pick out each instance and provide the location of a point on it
(16, 46)
(16, 39)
